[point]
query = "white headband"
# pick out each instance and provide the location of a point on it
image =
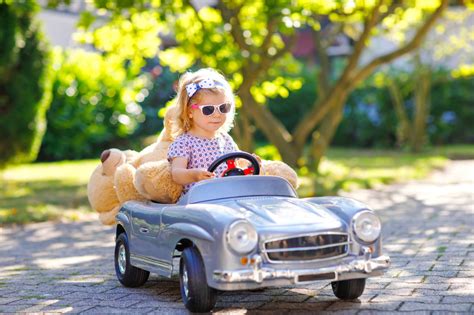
(207, 83)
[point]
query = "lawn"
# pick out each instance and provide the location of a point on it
(45, 191)
(57, 191)
(346, 169)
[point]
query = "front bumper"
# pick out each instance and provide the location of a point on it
(359, 267)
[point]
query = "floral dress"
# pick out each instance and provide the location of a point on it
(201, 152)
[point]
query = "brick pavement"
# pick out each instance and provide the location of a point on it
(68, 267)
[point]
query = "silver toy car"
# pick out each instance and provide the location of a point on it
(248, 232)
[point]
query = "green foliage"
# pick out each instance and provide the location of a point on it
(25, 82)
(203, 39)
(370, 120)
(160, 92)
(292, 108)
(95, 104)
(452, 111)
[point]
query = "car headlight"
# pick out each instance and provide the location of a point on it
(242, 237)
(366, 226)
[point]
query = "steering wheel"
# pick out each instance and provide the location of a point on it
(232, 169)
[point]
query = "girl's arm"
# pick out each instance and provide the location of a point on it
(183, 176)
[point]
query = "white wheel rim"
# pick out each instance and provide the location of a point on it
(185, 282)
(122, 259)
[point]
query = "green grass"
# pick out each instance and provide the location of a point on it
(57, 191)
(349, 169)
(45, 191)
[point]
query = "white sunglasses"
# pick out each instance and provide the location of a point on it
(208, 110)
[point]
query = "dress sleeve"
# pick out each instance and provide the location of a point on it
(179, 148)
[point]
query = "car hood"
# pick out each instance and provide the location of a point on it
(281, 211)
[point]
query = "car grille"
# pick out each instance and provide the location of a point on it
(309, 247)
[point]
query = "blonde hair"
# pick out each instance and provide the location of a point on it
(182, 123)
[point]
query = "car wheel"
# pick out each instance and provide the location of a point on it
(127, 274)
(197, 295)
(348, 289)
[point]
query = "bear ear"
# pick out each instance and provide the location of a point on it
(104, 156)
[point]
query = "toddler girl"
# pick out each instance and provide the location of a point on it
(205, 113)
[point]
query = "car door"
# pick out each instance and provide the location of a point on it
(146, 227)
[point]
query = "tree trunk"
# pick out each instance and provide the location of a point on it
(422, 100)
(403, 125)
(243, 132)
(273, 129)
(321, 138)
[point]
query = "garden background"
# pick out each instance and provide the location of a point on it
(351, 94)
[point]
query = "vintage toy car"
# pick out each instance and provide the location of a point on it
(248, 232)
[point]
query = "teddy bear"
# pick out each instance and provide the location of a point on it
(129, 175)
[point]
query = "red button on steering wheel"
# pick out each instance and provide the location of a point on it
(232, 169)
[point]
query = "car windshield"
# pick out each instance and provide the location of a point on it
(237, 187)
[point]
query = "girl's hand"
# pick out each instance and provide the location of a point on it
(201, 174)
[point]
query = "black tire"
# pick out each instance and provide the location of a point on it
(348, 289)
(197, 296)
(127, 274)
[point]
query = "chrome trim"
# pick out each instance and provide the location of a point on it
(267, 258)
(122, 259)
(154, 262)
(305, 234)
(362, 267)
(296, 249)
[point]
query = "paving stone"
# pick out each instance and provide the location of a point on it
(240, 305)
(391, 306)
(258, 298)
(459, 299)
(102, 296)
(294, 298)
(447, 312)
(466, 274)
(113, 310)
(109, 303)
(397, 292)
(169, 311)
(57, 309)
(236, 298)
(155, 304)
(379, 312)
(4, 301)
(292, 306)
(14, 308)
(382, 298)
(414, 306)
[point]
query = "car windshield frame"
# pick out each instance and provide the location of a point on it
(238, 187)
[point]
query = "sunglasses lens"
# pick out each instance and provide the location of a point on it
(224, 108)
(207, 110)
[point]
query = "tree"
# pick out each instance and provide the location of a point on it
(423, 72)
(250, 41)
(94, 104)
(25, 85)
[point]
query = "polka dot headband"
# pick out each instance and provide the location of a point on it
(207, 83)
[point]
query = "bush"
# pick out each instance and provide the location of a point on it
(95, 106)
(160, 92)
(452, 112)
(25, 85)
(369, 115)
(370, 120)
